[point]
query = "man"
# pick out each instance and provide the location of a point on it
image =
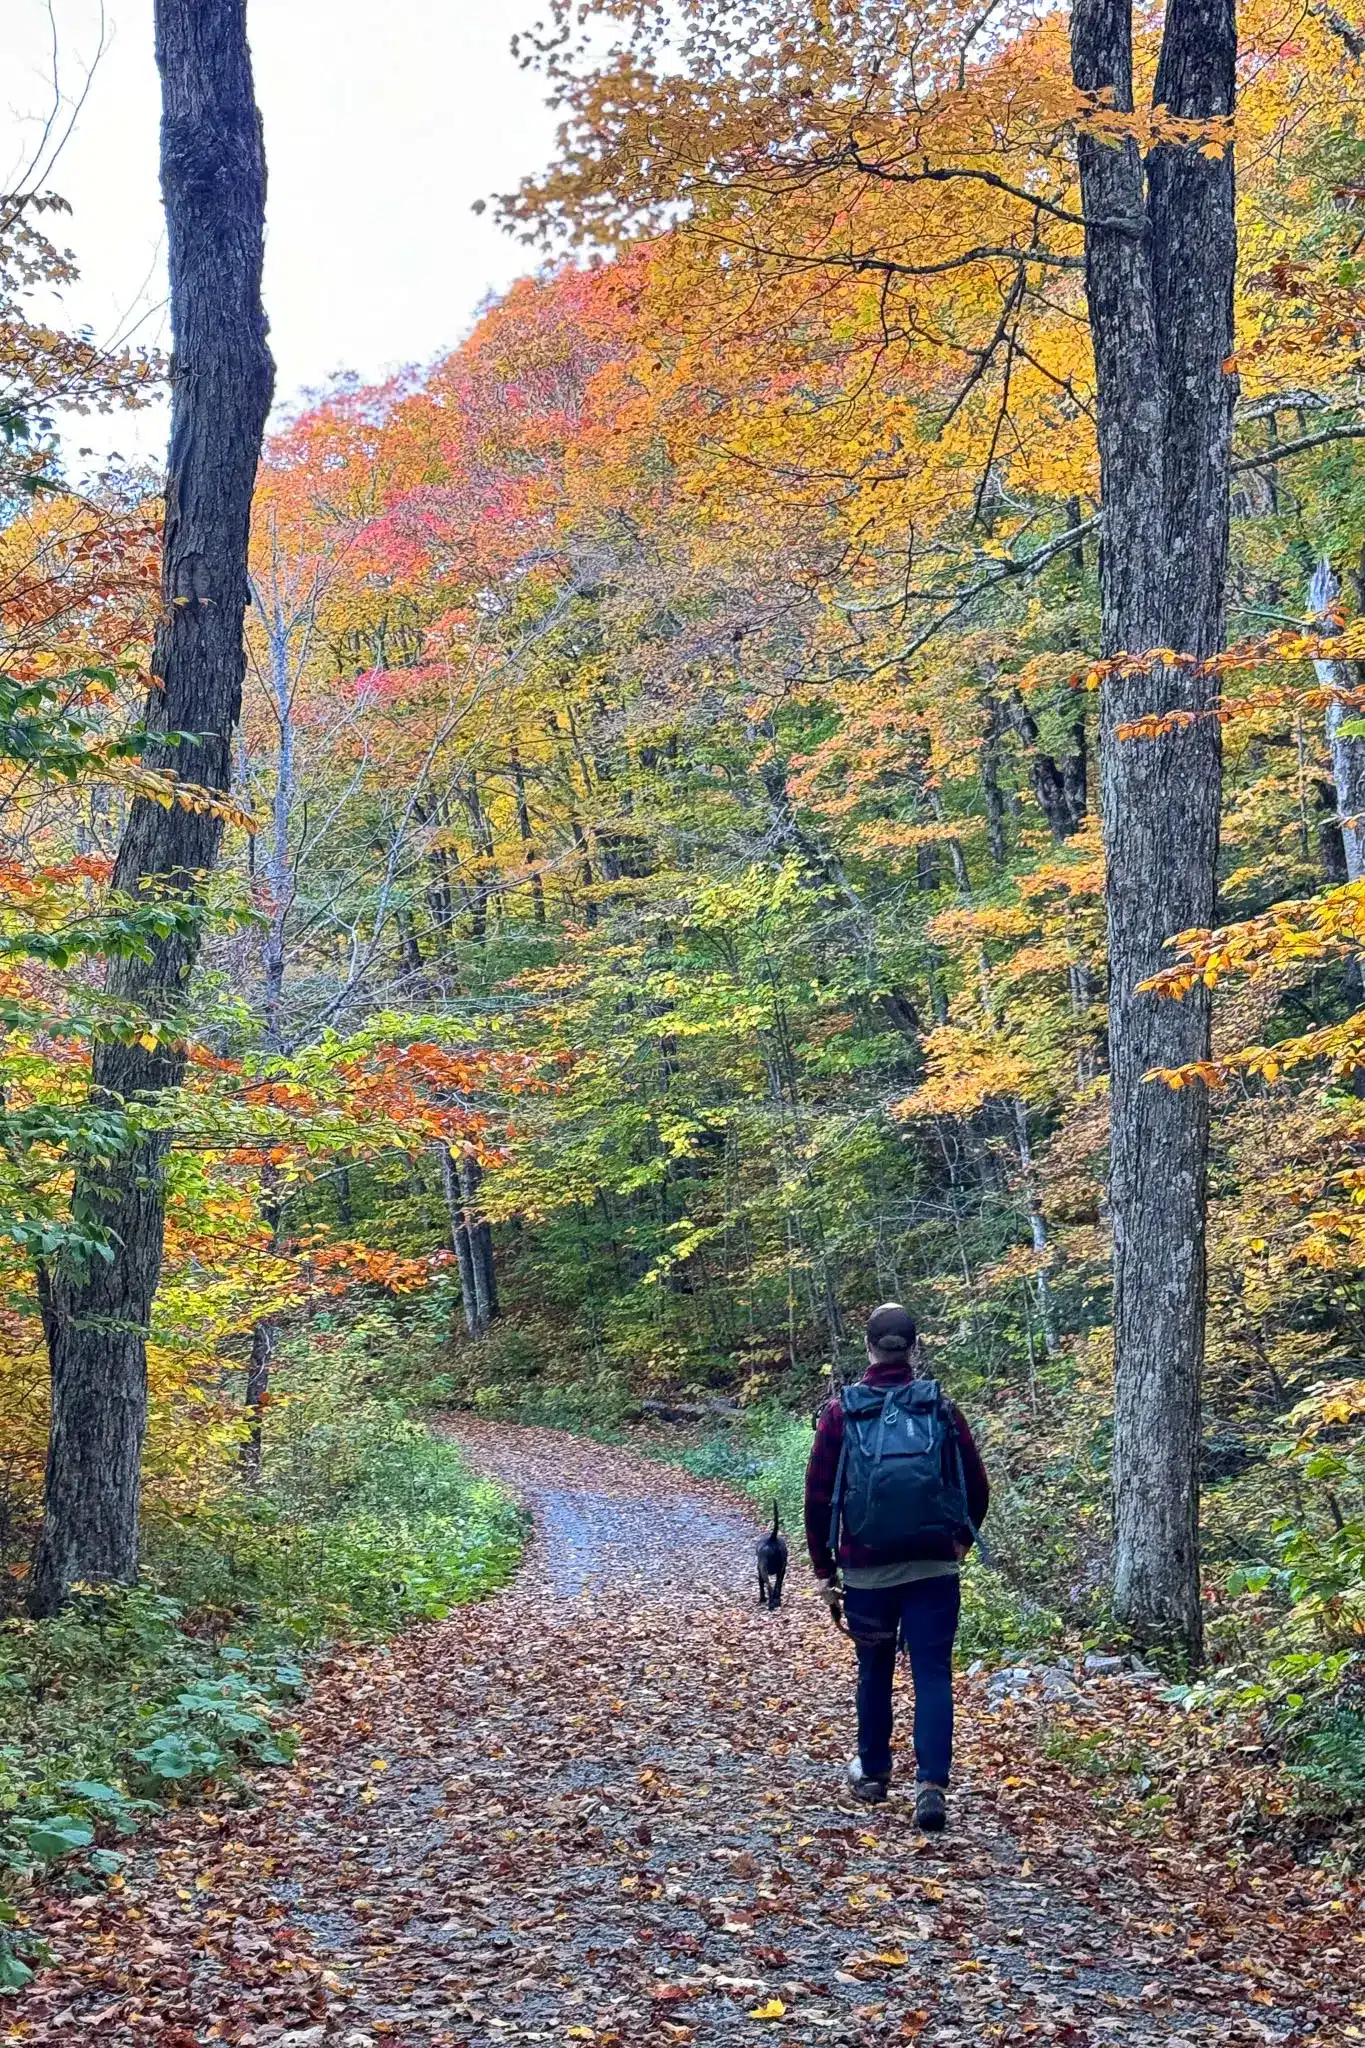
(911, 1494)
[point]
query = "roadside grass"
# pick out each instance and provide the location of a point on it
(131, 1699)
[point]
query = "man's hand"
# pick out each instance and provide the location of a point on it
(831, 1594)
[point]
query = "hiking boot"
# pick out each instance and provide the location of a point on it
(870, 1790)
(931, 1809)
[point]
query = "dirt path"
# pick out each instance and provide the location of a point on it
(606, 1808)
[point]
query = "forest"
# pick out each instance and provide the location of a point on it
(816, 757)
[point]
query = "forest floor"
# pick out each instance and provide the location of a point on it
(607, 1807)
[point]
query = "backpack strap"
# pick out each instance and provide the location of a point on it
(836, 1505)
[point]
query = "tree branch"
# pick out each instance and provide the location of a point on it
(1305, 441)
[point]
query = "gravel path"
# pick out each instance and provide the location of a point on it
(607, 1808)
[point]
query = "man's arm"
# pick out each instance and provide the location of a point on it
(973, 1471)
(821, 1473)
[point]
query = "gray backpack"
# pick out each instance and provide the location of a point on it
(900, 1489)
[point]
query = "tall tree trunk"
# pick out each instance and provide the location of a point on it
(472, 1237)
(528, 845)
(263, 1339)
(990, 783)
(1047, 1313)
(1059, 787)
(278, 866)
(459, 1238)
(1160, 260)
(1348, 754)
(257, 1399)
(96, 1317)
(480, 1241)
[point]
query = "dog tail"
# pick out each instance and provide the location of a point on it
(774, 1527)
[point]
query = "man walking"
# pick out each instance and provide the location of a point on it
(895, 1494)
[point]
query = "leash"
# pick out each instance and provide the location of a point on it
(836, 1615)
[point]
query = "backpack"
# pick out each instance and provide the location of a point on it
(900, 1488)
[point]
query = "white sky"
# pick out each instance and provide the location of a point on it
(383, 124)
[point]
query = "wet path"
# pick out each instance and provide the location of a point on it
(607, 1808)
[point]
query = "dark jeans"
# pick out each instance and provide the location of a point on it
(923, 1617)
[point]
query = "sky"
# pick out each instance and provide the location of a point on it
(383, 126)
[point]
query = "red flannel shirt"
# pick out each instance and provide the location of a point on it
(823, 1470)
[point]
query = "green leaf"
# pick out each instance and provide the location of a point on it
(60, 1836)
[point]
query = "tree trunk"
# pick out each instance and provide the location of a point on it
(528, 846)
(278, 866)
(472, 1237)
(1047, 1313)
(96, 1317)
(459, 1238)
(480, 1242)
(263, 1337)
(1060, 788)
(257, 1398)
(1161, 319)
(1348, 754)
(990, 783)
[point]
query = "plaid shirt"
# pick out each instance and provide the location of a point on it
(823, 1470)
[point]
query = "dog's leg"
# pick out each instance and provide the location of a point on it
(762, 1588)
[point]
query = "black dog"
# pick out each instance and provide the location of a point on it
(772, 1566)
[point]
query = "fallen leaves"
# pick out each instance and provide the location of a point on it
(475, 1849)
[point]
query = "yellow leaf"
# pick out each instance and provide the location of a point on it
(895, 1957)
(773, 2010)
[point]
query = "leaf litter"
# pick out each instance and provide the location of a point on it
(607, 1807)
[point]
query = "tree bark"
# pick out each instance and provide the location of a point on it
(472, 1237)
(96, 1317)
(990, 783)
(1060, 788)
(1348, 754)
(480, 1242)
(459, 1238)
(528, 845)
(1160, 304)
(1047, 1312)
(257, 1398)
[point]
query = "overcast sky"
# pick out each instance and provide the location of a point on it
(383, 125)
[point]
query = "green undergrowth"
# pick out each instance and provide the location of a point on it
(134, 1698)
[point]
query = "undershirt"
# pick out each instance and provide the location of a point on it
(870, 1576)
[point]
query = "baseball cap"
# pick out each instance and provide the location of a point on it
(891, 1328)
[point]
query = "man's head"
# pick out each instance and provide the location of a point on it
(891, 1334)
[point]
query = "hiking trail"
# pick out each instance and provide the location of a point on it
(607, 1807)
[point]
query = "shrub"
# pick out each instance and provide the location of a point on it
(129, 1698)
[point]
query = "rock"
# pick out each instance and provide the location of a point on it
(303, 2037)
(976, 1667)
(1057, 1686)
(358, 2041)
(1100, 1667)
(1013, 1674)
